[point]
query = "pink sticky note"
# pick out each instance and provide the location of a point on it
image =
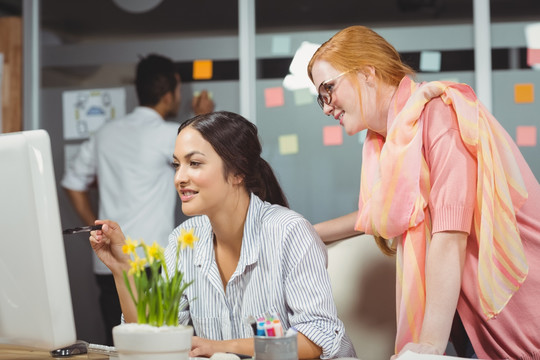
(332, 135)
(533, 57)
(274, 97)
(526, 135)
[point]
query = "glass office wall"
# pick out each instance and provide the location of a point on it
(93, 45)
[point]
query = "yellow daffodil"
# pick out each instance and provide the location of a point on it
(154, 252)
(137, 265)
(130, 246)
(156, 297)
(187, 238)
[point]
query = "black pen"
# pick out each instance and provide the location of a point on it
(81, 229)
(252, 323)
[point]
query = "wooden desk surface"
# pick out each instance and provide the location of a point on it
(8, 352)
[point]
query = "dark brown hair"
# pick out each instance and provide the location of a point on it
(156, 76)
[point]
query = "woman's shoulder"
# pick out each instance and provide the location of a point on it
(439, 119)
(279, 215)
(276, 219)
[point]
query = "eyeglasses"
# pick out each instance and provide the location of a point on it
(326, 88)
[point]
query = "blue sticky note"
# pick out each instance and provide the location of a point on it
(362, 136)
(430, 61)
(281, 44)
(303, 97)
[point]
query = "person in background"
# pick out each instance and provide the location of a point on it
(254, 255)
(445, 188)
(130, 159)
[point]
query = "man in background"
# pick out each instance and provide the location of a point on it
(130, 160)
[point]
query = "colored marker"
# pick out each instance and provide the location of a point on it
(260, 328)
(278, 329)
(269, 328)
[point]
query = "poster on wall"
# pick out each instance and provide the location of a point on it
(84, 111)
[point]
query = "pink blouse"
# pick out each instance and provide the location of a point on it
(515, 332)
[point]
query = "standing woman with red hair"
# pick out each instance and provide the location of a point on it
(445, 188)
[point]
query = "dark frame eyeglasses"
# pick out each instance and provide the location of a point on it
(326, 98)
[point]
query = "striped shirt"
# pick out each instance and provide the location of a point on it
(282, 269)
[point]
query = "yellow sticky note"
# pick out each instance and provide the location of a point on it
(523, 93)
(274, 96)
(526, 135)
(332, 135)
(210, 94)
(288, 144)
(202, 69)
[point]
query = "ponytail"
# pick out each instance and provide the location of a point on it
(265, 185)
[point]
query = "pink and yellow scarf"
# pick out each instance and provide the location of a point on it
(394, 195)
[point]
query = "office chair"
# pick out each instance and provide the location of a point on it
(363, 285)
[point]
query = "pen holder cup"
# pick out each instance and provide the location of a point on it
(276, 347)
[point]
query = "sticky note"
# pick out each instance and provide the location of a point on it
(532, 35)
(202, 69)
(273, 97)
(197, 93)
(523, 93)
(533, 57)
(332, 135)
(526, 135)
(303, 97)
(281, 44)
(288, 144)
(430, 61)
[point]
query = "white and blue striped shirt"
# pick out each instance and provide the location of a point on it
(282, 269)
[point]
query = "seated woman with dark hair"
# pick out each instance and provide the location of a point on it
(254, 256)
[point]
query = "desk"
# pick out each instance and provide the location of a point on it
(8, 352)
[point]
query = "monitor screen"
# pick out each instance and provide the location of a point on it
(35, 300)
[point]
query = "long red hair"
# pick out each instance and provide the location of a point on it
(358, 47)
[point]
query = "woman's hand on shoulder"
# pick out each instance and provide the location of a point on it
(107, 243)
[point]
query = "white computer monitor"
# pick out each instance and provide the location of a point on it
(35, 300)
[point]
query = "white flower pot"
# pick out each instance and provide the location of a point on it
(143, 342)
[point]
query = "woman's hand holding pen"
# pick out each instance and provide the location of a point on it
(107, 244)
